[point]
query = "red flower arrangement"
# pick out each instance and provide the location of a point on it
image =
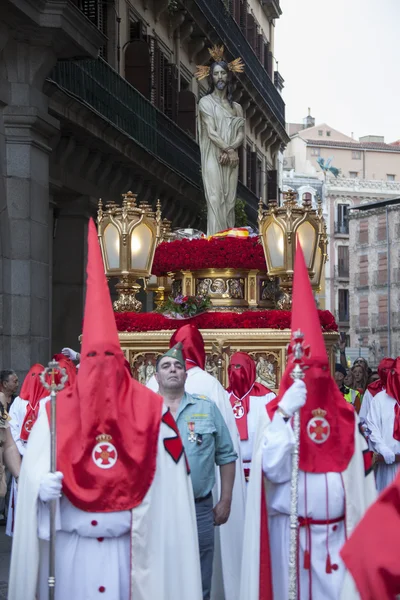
(272, 319)
(216, 253)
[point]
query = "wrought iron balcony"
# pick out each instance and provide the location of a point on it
(342, 271)
(342, 227)
(272, 8)
(218, 15)
(97, 84)
(342, 317)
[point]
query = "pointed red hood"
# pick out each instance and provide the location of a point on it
(193, 345)
(107, 423)
(32, 389)
(327, 420)
(243, 385)
(380, 384)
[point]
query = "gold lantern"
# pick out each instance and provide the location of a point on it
(279, 227)
(128, 236)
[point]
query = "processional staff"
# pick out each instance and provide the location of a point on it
(50, 373)
(297, 351)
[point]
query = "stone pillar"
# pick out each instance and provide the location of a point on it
(69, 271)
(26, 130)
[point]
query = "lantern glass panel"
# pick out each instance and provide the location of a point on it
(276, 245)
(307, 237)
(317, 267)
(141, 243)
(111, 242)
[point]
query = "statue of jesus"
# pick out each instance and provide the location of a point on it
(221, 133)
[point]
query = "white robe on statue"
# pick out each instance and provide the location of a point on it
(148, 553)
(17, 415)
(380, 422)
(349, 494)
(228, 537)
(220, 181)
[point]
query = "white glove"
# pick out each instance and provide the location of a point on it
(388, 456)
(294, 398)
(50, 486)
(69, 353)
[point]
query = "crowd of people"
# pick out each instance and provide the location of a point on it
(181, 489)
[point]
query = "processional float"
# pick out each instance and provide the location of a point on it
(234, 285)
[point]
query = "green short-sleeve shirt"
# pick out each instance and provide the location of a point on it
(206, 440)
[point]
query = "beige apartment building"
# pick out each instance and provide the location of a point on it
(375, 280)
(98, 97)
(369, 172)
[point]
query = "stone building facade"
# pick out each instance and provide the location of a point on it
(375, 282)
(369, 172)
(98, 97)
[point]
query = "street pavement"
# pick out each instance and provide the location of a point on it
(5, 553)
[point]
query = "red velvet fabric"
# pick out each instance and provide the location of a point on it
(193, 345)
(105, 401)
(32, 391)
(371, 554)
(335, 453)
(242, 385)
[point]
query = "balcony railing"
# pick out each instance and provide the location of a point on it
(342, 228)
(342, 272)
(229, 32)
(343, 316)
(272, 8)
(97, 84)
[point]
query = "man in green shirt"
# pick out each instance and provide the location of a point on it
(207, 443)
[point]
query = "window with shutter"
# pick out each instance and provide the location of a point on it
(187, 112)
(171, 91)
(158, 62)
(270, 65)
(265, 54)
(90, 9)
(272, 183)
(236, 11)
(137, 30)
(343, 305)
(243, 16)
(251, 30)
(248, 166)
(138, 66)
(258, 191)
(343, 218)
(260, 47)
(253, 185)
(343, 261)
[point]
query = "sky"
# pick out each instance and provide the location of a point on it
(341, 58)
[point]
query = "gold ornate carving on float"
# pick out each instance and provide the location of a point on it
(266, 346)
(227, 288)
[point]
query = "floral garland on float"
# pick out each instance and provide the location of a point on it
(266, 319)
(214, 253)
